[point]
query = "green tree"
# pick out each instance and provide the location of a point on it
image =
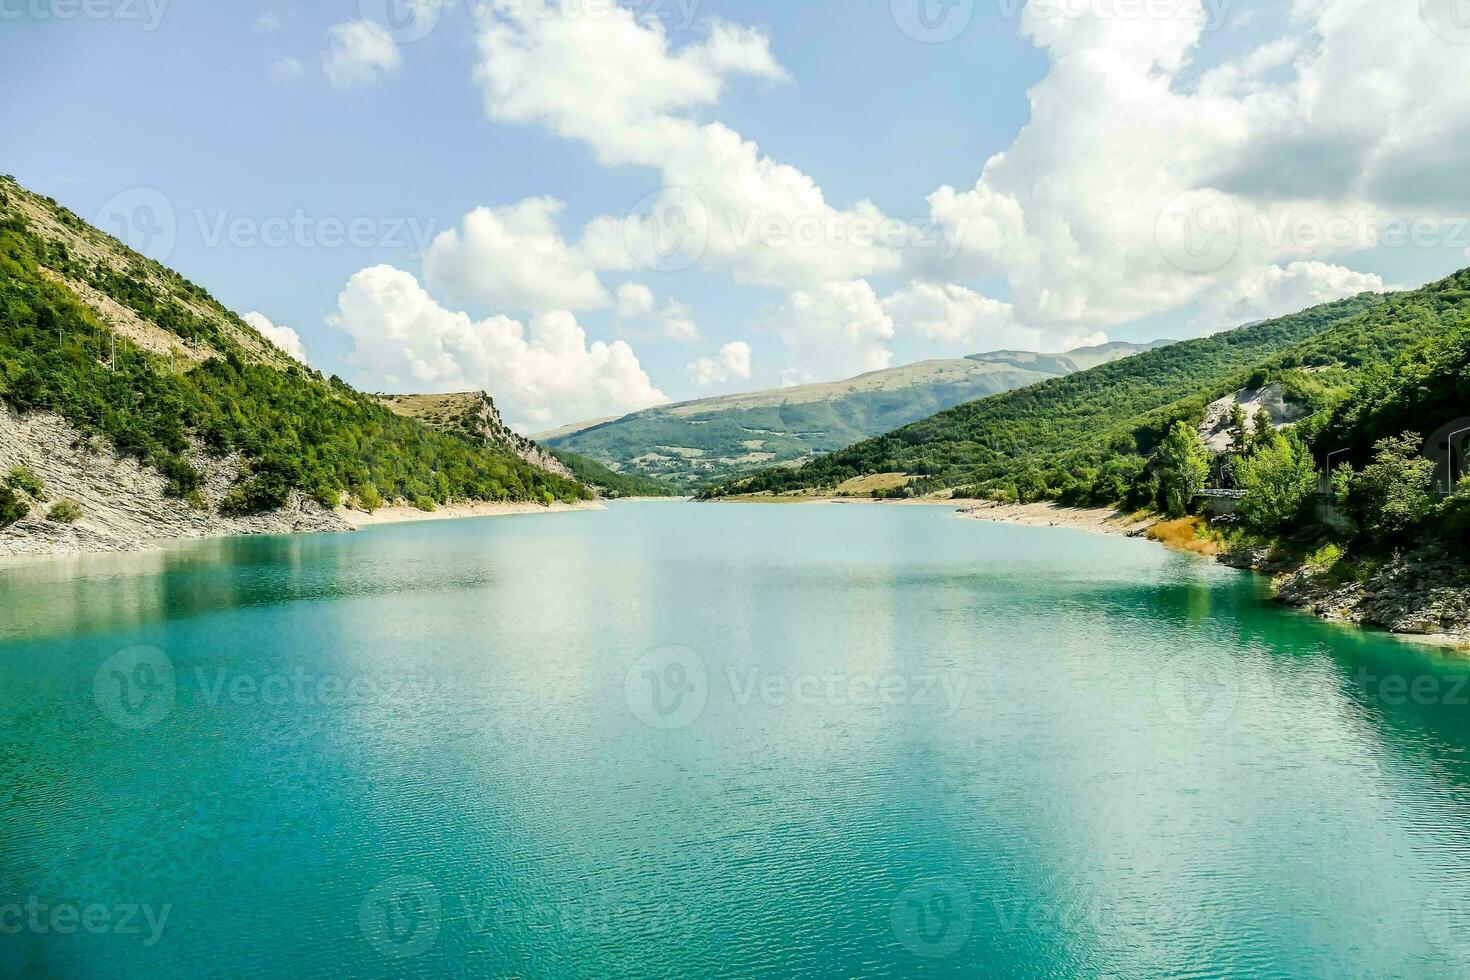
(1279, 480)
(1392, 495)
(1240, 433)
(12, 506)
(1265, 428)
(1183, 468)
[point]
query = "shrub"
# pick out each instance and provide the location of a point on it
(26, 481)
(328, 497)
(13, 506)
(425, 504)
(1183, 468)
(65, 511)
(368, 498)
(1391, 495)
(1279, 480)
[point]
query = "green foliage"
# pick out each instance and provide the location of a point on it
(1043, 436)
(426, 504)
(65, 512)
(1183, 469)
(609, 483)
(13, 506)
(26, 481)
(367, 497)
(295, 430)
(1391, 496)
(1280, 480)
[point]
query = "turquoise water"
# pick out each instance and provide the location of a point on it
(716, 740)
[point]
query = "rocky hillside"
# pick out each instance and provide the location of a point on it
(154, 411)
(692, 443)
(473, 415)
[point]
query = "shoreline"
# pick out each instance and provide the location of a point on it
(73, 542)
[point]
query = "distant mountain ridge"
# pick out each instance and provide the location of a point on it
(692, 443)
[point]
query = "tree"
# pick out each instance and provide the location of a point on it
(12, 506)
(1240, 433)
(1391, 495)
(1279, 480)
(1183, 469)
(1264, 426)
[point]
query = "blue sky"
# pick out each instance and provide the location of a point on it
(227, 112)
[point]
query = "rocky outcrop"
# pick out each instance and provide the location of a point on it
(124, 507)
(473, 414)
(1425, 593)
(1215, 429)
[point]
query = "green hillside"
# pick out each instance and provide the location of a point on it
(127, 350)
(1039, 438)
(609, 483)
(713, 439)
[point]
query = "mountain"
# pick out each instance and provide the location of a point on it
(131, 387)
(1086, 437)
(695, 442)
(472, 415)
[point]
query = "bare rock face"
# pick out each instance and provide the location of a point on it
(124, 507)
(473, 414)
(1215, 430)
(1424, 593)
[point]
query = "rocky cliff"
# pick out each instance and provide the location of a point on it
(473, 415)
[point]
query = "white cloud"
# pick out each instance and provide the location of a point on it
(285, 338)
(360, 53)
(836, 330)
(732, 363)
(1276, 291)
(614, 83)
(634, 300)
(637, 305)
(542, 375)
(959, 318)
(513, 258)
(1346, 122)
(269, 22)
(284, 71)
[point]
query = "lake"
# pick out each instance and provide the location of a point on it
(716, 740)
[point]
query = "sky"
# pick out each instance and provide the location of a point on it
(588, 207)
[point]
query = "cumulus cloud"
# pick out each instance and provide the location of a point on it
(615, 83)
(513, 258)
(542, 374)
(638, 312)
(285, 338)
(957, 317)
(836, 330)
(360, 53)
(1135, 190)
(1276, 291)
(634, 300)
(732, 363)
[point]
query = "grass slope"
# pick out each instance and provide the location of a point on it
(189, 373)
(693, 443)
